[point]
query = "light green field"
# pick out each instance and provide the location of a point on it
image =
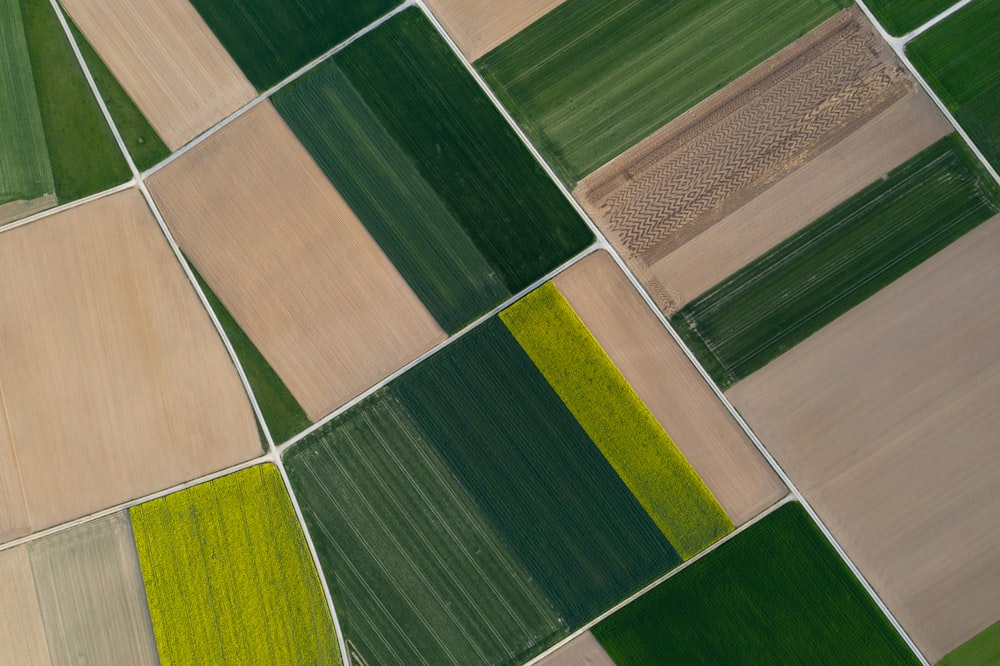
(981, 650)
(616, 419)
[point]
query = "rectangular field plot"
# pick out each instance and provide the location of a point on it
(478, 26)
(777, 593)
(416, 574)
(229, 576)
(958, 58)
(839, 260)
(584, 94)
(982, 650)
(899, 17)
(22, 634)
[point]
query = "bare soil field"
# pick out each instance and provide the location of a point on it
(291, 262)
(168, 61)
(687, 176)
(16, 210)
(477, 26)
(584, 650)
(22, 634)
(116, 384)
(671, 387)
(887, 421)
(13, 511)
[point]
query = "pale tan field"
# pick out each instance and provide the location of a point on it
(478, 26)
(22, 634)
(116, 383)
(168, 61)
(897, 134)
(671, 387)
(16, 210)
(13, 511)
(584, 650)
(887, 421)
(291, 262)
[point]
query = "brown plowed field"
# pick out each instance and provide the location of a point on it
(168, 61)
(894, 136)
(22, 634)
(291, 262)
(115, 381)
(13, 512)
(728, 149)
(584, 650)
(671, 387)
(887, 421)
(478, 26)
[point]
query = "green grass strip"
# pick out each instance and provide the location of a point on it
(899, 17)
(25, 172)
(282, 412)
(142, 141)
(838, 261)
(616, 419)
(229, 576)
(83, 152)
(981, 650)
(775, 594)
(592, 78)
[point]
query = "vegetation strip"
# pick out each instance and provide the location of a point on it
(618, 422)
(899, 17)
(229, 576)
(777, 593)
(534, 473)
(838, 261)
(415, 571)
(584, 94)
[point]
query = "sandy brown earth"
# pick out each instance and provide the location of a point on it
(291, 262)
(478, 26)
(115, 381)
(17, 210)
(168, 61)
(584, 650)
(22, 634)
(13, 511)
(887, 421)
(891, 138)
(671, 387)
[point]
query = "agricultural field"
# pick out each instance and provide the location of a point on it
(958, 59)
(270, 40)
(567, 74)
(981, 650)
(838, 261)
(229, 576)
(106, 343)
(584, 650)
(899, 17)
(891, 406)
(777, 593)
(167, 60)
(478, 26)
(291, 262)
(670, 387)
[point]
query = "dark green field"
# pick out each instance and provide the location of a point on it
(959, 57)
(539, 480)
(385, 190)
(899, 17)
(838, 261)
(585, 94)
(82, 150)
(270, 39)
(415, 572)
(464, 149)
(776, 594)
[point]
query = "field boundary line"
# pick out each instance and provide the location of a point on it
(605, 244)
(916, 32)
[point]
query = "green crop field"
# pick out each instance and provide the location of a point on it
(981, 650)
(25, 173)
(270, 39)
(959, 57)
(616, 419)
(585, 94)
(384, 188)
(838, 261)
(775, 594)
(899, 17)
(415, 572)
(464, 149)
(82, 150)
(534, 473)
(229, 577)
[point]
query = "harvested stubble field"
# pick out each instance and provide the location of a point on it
(291, 262)
(115, 382)
(899, 17)
(886, 420)
(838, 261)
(670, 387)
(584, 94)
(777, 593)
(479, 26)
(167, 59)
